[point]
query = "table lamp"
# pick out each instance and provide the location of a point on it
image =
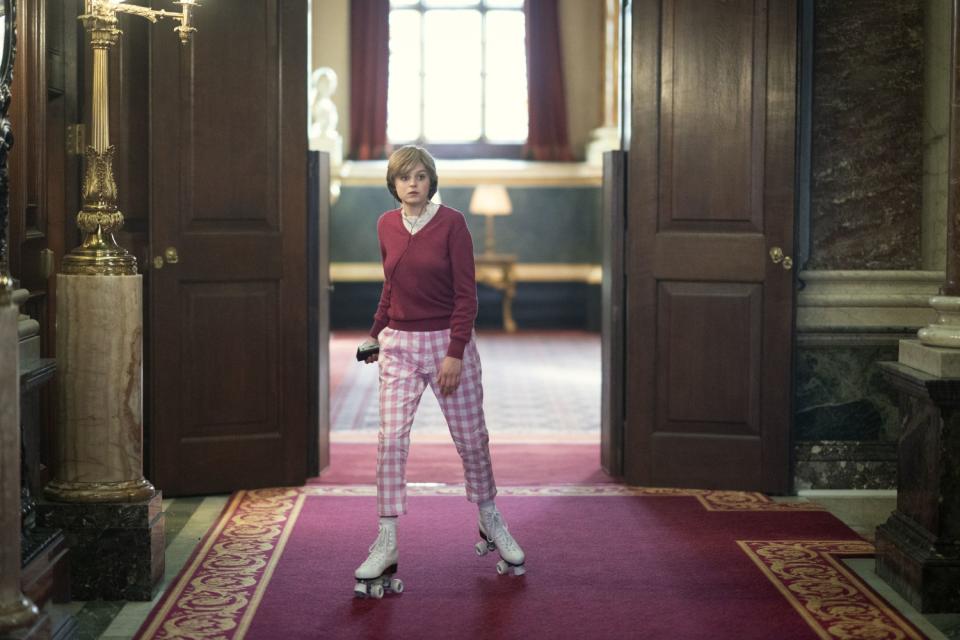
(490, 200)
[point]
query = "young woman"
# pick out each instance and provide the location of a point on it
(423, 327)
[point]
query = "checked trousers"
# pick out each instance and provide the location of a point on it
(409, 361)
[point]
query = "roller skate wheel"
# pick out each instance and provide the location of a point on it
(377, 591)
(360, 590)
(502, 567)
(481, 548)
(396, 585)
(519, 570)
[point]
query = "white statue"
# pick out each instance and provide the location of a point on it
(323, 115)
(323, 124)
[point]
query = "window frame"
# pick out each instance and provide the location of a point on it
(482, 147)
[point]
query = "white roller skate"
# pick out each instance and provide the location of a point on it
(375, 575)
(495, 536)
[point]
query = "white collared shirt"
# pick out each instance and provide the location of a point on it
(414, 225)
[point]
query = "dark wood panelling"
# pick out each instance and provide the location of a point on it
(709, 132)
(231, 345)
(44, 183)
(612, 309)
(710, 193)
(711, 385)
(229, 319)
(242, 192)
(707, 461)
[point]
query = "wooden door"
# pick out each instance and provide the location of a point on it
(228, 319)
(711, 192)
(318, 248)
(613, 315)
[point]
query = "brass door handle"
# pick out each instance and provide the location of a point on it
(776, 255)
(169, 256)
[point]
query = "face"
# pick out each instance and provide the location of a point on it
(413, 187)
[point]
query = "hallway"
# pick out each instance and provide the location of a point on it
(516, 369)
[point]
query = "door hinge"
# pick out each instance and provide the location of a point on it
(76, 139)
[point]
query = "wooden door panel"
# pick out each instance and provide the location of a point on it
(233, 121)
(686, 460)
(710, 193)
(711, 385)
(613, 316)
(229, 317)
(733, 257)
(231, 336)
(712, 132)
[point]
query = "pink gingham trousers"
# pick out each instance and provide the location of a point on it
(409, 361)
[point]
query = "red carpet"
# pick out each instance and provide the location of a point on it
(513, 464)
(655, 564)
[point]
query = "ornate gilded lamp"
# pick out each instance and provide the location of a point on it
(98, 456)
(99, 254)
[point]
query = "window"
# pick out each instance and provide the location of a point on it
(458, 76)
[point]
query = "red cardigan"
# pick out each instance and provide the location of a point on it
(429, 280)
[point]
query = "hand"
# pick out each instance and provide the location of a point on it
(449, 377)
(369, 342)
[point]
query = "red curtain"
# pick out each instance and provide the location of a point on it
(547, 138)
(369, 62)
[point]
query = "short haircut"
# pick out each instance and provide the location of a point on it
(403, 160)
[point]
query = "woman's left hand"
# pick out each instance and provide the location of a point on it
(449, 378)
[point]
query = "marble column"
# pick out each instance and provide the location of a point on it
(99, 451)
(111, 515)
(918, 547)
(945, 332)
(16, 611)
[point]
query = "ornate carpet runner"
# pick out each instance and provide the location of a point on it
(279, 562)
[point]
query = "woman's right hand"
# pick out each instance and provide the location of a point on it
(366, 344)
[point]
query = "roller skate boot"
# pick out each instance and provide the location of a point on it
(375, 575)
(495, 537)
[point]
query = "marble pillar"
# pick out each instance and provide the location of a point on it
(99, 452)
(918, 547)
(16, 611)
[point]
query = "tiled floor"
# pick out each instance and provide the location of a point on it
(188, 519)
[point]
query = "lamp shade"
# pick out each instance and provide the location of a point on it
(490, 200)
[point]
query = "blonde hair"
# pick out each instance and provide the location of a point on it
(403, 160)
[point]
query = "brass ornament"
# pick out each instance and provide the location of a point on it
(100, 218)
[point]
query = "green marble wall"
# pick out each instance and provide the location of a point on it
(846, 420)
(841, 395)
(549, 224)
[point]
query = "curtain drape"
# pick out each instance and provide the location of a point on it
(547, 137)
(369, 63)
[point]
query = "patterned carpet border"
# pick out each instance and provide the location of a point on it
(220, 588)
(833, 601)
(711, 500)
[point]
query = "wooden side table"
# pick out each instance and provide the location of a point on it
(497, 270)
